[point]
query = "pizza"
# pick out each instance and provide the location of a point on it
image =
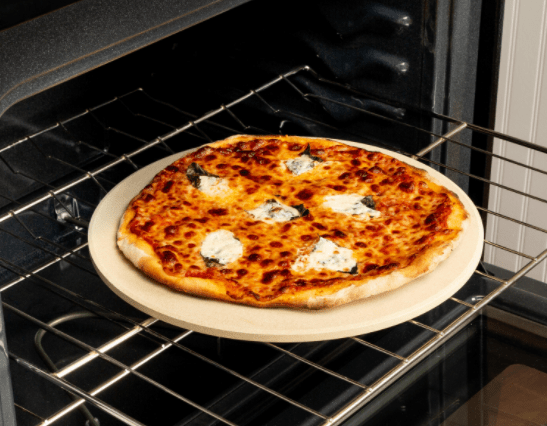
(286, 221)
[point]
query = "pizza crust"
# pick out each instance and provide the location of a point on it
(145, 259)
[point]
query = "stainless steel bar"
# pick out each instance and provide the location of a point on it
(115, 362)
(471, 126)
(76, 391)
(107, 384)
(39, 238)
(317, 366)
(427, 327)
(441, 140)
(378, 348)
(235, 117)
(20, 407)
(81, 142)
(137, 114)
(245, 379)
(275, 111)
(205, 135)
(51, 253)
(461, 302)
(490, 243)
(39, 268)
(228, 370)
(146, 146)
(434, 343)
(491, 154)
(484, 180)
(193, 116)
(73, 366)
(523, 271)
(537, 228)
(108, 358)
(491, 277)
(63, 292)
(95, 179)
(508, 138)
(78, 180)
(66, 121)
(391, 120)
(399, 370)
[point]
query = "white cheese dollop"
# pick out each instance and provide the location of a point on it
(222, 246)
(326, 255)
(300, 165)
(273, 210)
(213, 186)
(349, 204)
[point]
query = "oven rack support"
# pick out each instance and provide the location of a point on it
(196, 128)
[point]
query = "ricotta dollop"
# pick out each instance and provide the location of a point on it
(327, 255)
(300, 165)
(221, 247)
(273, 210)
(213, 186)
(350, 204)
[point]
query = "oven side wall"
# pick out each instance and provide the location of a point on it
(522, 112)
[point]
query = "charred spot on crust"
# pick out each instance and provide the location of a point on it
(369, 202)
(307, 152)
(194, 172)
(303, 211)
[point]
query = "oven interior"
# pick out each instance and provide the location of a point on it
(262, 68)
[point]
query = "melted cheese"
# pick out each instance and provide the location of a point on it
(182, 217)
(350, 204)
(300, 165)
(273, 210)
(213, 186)
(222, 246)
(326, 255)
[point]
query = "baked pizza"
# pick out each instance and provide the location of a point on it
(289, 221)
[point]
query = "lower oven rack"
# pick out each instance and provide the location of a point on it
(60, 202)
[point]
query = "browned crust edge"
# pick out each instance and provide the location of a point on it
(145, 259)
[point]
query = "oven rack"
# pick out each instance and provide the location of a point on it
(227, 119)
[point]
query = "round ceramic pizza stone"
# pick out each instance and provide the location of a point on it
(274, 324)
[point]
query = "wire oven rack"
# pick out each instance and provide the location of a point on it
(68, 206)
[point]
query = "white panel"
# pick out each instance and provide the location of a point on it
(521, 112)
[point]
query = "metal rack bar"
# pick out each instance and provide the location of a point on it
(317, 366)
(473, 127)
(107, 384)
(20, 407)
(537, 228)
(193, 128)
(98, 353)
(113, 361)
(378, 348)
(441, 140)
(39, 269)
(491, 277)
(427, 327)
(105, 348)
(76, 391)
(461, 302)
